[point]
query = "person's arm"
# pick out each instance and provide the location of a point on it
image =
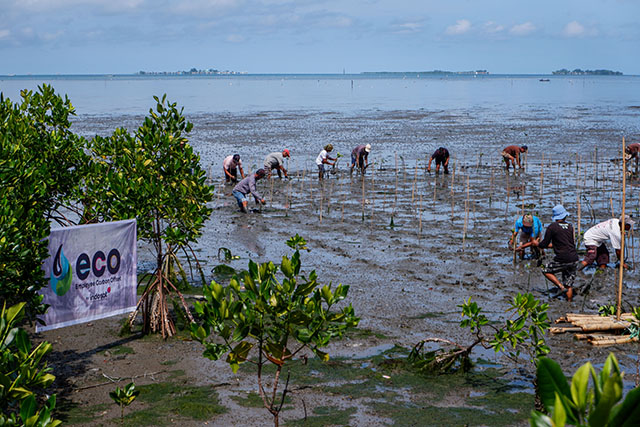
(254, 192)
(545, 243)
(518, 159)
(429, 167)
(284, 171)
(241, 171)
(446, 162)
(226, 172)
(366, 159)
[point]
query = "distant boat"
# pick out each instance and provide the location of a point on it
(545, 80)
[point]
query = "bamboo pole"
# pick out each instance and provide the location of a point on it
(373, 192)
(415, 179)
(453, 198)
(363, 195)
(420, 219)
(466, 215)
(578, 194)
(622, 231)
(541, 177)
(395, 200)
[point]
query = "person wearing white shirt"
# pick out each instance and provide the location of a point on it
(324, 158)
(595, 241)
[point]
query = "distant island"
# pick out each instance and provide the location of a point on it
(437, 72)
(579, 72)
(191, 72)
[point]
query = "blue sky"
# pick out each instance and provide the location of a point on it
(317, 36)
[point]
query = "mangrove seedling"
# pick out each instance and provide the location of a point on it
(523, 333)
(124, 397)
(275, 318)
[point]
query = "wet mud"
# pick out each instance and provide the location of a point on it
(413, 246)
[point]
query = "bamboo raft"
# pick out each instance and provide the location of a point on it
(595, 329)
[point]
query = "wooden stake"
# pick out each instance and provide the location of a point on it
(373, 193)
(466, 215)
(623, 231)
(415, 178)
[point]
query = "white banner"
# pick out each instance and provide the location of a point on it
(92, 273)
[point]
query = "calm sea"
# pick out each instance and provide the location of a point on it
(114, 95)
(413, 114)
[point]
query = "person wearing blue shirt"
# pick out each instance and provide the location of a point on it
(530, 228)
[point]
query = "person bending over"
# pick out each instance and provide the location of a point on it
(276, 161)
(324, 158)
(230, 166)
(248, 186)
(595, 241)
(530, 228)
(360, 157)
(441, 156)
(511, 154)
(559, 235)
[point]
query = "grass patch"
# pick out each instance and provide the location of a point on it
(326, 416)
(166, 402)
(123, 349)
(72, 413)
(429, 315)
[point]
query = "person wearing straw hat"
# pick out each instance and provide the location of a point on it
(530, 228)
(595, 241)
(441, 156)
(230, 166)
(559, 235)
(248, 186)
(511, 154)
(360, 157)
(276, 161)
(324, 158)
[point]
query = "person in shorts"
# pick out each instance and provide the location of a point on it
(324, 158)
(248, 186)
(360, 157)
(559, 235)
(276, 161)
(632, 151)
(441, 156)
(230, 166)
(530, 228)
(511, 154)
(595, 241)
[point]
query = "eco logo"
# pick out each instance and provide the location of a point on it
(60, 273)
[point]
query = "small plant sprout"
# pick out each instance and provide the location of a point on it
(124, 397)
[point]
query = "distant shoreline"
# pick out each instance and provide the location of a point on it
(362, 75)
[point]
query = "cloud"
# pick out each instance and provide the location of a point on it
(462, 26)
(235, 38)
(407, 27)
(4, 34)
(576, 29)
(491, 27)
(522, 29)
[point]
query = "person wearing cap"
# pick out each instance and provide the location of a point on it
(248, 186)
(276, 161)
(511, 154)
(230, 166)
(559, 235)
(360, 157)
(530, 228)
(323, 158)
(595, 241)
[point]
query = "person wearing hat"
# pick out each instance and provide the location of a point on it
(559, 235)
(530, 228)
(276, 161)
(441, 155)
(360, 157)
(323, 158)
(511, 154)
(248, 186)
(596, 237)
(230, 166)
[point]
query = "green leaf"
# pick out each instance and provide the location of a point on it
(579, 385)
(538, 419)
(286, 268)
(28, 408)
(628, 412)
(611, 394)
(551, 380)
(559, 416)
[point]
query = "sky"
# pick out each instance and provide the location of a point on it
(317, 36)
